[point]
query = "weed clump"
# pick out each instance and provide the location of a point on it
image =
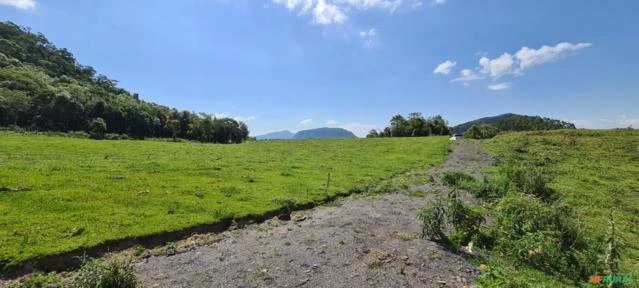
(101, 274)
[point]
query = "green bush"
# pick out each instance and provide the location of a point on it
(433, 219)
(457, 179)
(489, 189)
(542, 235)
(98, 128)
(483, 131)
(100, 274)
(37, 280)
(531, 181)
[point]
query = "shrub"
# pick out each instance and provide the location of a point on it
(100, 274)
(433, 219)
(489, 190)
(542, 235)
(457, 179)
(531, 181)
(465, 220)
(37, 280)
(483, 131)
(98, 128)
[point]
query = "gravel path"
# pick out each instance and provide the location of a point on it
(360, 242)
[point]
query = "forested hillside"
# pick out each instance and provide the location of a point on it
(514, 122)
(44, 88)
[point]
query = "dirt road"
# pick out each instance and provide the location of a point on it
(360, 242)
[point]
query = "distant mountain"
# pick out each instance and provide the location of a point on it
(515, 122)
(279, 135)
(324, 133)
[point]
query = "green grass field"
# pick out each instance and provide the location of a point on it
(64, 193)
(593, 171)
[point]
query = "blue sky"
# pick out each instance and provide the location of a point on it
(298, 64)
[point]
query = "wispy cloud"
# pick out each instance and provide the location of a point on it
(467, 75)
(244, 119)
(515, 64)
(325, 12)
(20, 4)
(331, 123)
(368, 36)
(445, 67)
(306, 121)
(512, 64)
(499, 86)
(236, 118)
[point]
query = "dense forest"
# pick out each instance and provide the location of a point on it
(481, 131)
(44, 88)
(514, 122)
(415, 125)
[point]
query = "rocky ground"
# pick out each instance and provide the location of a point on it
(362, 241)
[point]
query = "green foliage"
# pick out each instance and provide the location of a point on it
(532, 181)
(101, 274)
(482, 131)
(464, 219)
(514, 122)
(561, 187)
(457, 178)
(44, 88)
(433, 219)
(415, 126)
(450, 211)
(98, 128)
(37, 280)
(120, 189)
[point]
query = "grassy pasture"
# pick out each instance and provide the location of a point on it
(61, 193)
(593, 171)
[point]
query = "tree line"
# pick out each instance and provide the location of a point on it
(44, 88)
(414, 125)
(531, 123)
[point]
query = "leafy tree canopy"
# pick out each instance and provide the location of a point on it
(43, 87)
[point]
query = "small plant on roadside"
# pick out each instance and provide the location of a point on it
(457, 179)
(105, 274)
(37, 280)
(433, 219)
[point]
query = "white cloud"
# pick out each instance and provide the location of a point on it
(500, 66)
(20, 4)
(371, 32)
(244, 119)
(438, 2)
(467, 75)
(236, 118)
(326, 12)
(499, 86)
(358, 129)
(331, 122)
(525, 58)
(368, 36)
(515, 64)
(306, 121)
(530, 57)
(445, 67)
(390, 5)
